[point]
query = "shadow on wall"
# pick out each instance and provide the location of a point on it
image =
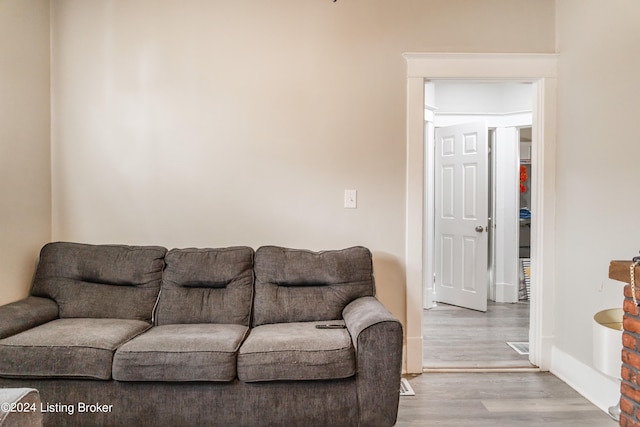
(390, 283)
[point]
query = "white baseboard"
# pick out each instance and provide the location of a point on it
(404, 359)
(601, 390)
(542, 357)
(506, 292)
(413, 352)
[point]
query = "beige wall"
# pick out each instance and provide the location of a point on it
(598, 160)
(25, 202)
(217, 123)
(189, 123)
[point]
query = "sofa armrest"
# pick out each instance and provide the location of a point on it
(377, 339)
(25, 314)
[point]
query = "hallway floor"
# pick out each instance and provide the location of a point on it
(456, 337)
(514, 399)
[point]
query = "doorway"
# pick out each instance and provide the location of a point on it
(540, 71)
(477, 295)
(474, 140)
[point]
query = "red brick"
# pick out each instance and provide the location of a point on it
(627, 291)
(630, 357)
(629, 341)
(630, 308)
(630, 392)
(629, 374)
(626, 421)
(626, 406)
(631, 324)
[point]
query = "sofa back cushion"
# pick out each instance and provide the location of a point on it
(295, 285)
(100, 281)
(207, 286)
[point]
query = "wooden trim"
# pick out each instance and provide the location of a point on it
(539, 69)
(619, 270)
(414, 223)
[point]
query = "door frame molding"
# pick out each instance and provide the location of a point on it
(541, 71)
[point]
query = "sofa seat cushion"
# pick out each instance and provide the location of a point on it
(78, 348)
(296, 351)
(187, 352)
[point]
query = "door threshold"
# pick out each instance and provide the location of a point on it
(463, 369)
(499, 362)
(480, 366)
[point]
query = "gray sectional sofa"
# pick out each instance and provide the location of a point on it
(115, 335)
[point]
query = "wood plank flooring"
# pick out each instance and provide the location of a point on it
(513, 399)
(456, 337)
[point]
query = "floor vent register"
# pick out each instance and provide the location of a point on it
(405, 388)
(521, 347)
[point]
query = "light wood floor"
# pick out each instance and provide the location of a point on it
(456, 337)
(511, 399)
(459, 339)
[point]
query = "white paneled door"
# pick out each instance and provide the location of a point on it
(461, 215)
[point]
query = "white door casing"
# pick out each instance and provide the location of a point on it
(461, 212)
(539, 69)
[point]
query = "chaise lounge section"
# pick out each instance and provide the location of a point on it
(117, 335)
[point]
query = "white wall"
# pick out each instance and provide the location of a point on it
(25, 202)
(598, 170)
(506, 217)
(222, 123)
(482, 97)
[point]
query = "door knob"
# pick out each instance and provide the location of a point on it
(479, 229)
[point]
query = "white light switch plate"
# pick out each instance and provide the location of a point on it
(350, 199)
